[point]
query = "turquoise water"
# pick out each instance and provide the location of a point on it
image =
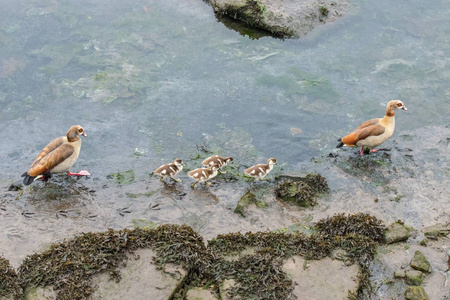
(151, 81)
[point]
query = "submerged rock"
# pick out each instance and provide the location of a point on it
(416, 293)
(286, 18)
(246, 200)
(420, 262)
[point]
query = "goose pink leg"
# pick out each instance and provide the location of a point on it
(381, 149)
(81, 173)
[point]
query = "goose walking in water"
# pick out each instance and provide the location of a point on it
(374, 132)
(57, 157)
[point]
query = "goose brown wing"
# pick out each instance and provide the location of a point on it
(51, 160)
(47, 149)
(367, 124)
(363, 133)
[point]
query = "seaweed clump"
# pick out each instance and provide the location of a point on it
(359, 224)
(302, 192)
(68, 266)
(8, 279)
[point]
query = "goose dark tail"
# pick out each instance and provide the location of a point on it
(28, 179)
(340, 144)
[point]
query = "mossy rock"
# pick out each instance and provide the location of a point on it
(245, 201)
(399, 274)
(414, 277)
(420, 262)
(396, 232)
(436, 231)
(416, 293)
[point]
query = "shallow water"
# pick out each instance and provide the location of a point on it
(157, 80)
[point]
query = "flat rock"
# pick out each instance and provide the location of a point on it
(200, 294)
(396, 233)
(414, 277)
(227, 284)
(40, 293)
(436, 231)
(140, 280)
(322, 279)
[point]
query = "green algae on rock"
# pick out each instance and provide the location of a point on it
(246, 200)
(414, 277)
(416, 293)
(420, 262)
(124, 177)
(436, 231)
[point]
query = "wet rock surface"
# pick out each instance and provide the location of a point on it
(287, 18)
(44, 208)
(140, 278)
(323, 279)
(393, 274)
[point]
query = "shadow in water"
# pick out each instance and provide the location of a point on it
(245, 29)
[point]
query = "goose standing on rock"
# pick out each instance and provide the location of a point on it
(216, 159)
(374, 132)
(170, 170)
(57, 157)
(203, 174)
(258, 172)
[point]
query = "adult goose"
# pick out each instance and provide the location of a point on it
(57, 157)
(374, 132)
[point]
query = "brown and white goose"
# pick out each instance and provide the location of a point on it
(203, 174)
(216, 159)
(258, 172)
(170, 170)
(374, 132)
(57, 157)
